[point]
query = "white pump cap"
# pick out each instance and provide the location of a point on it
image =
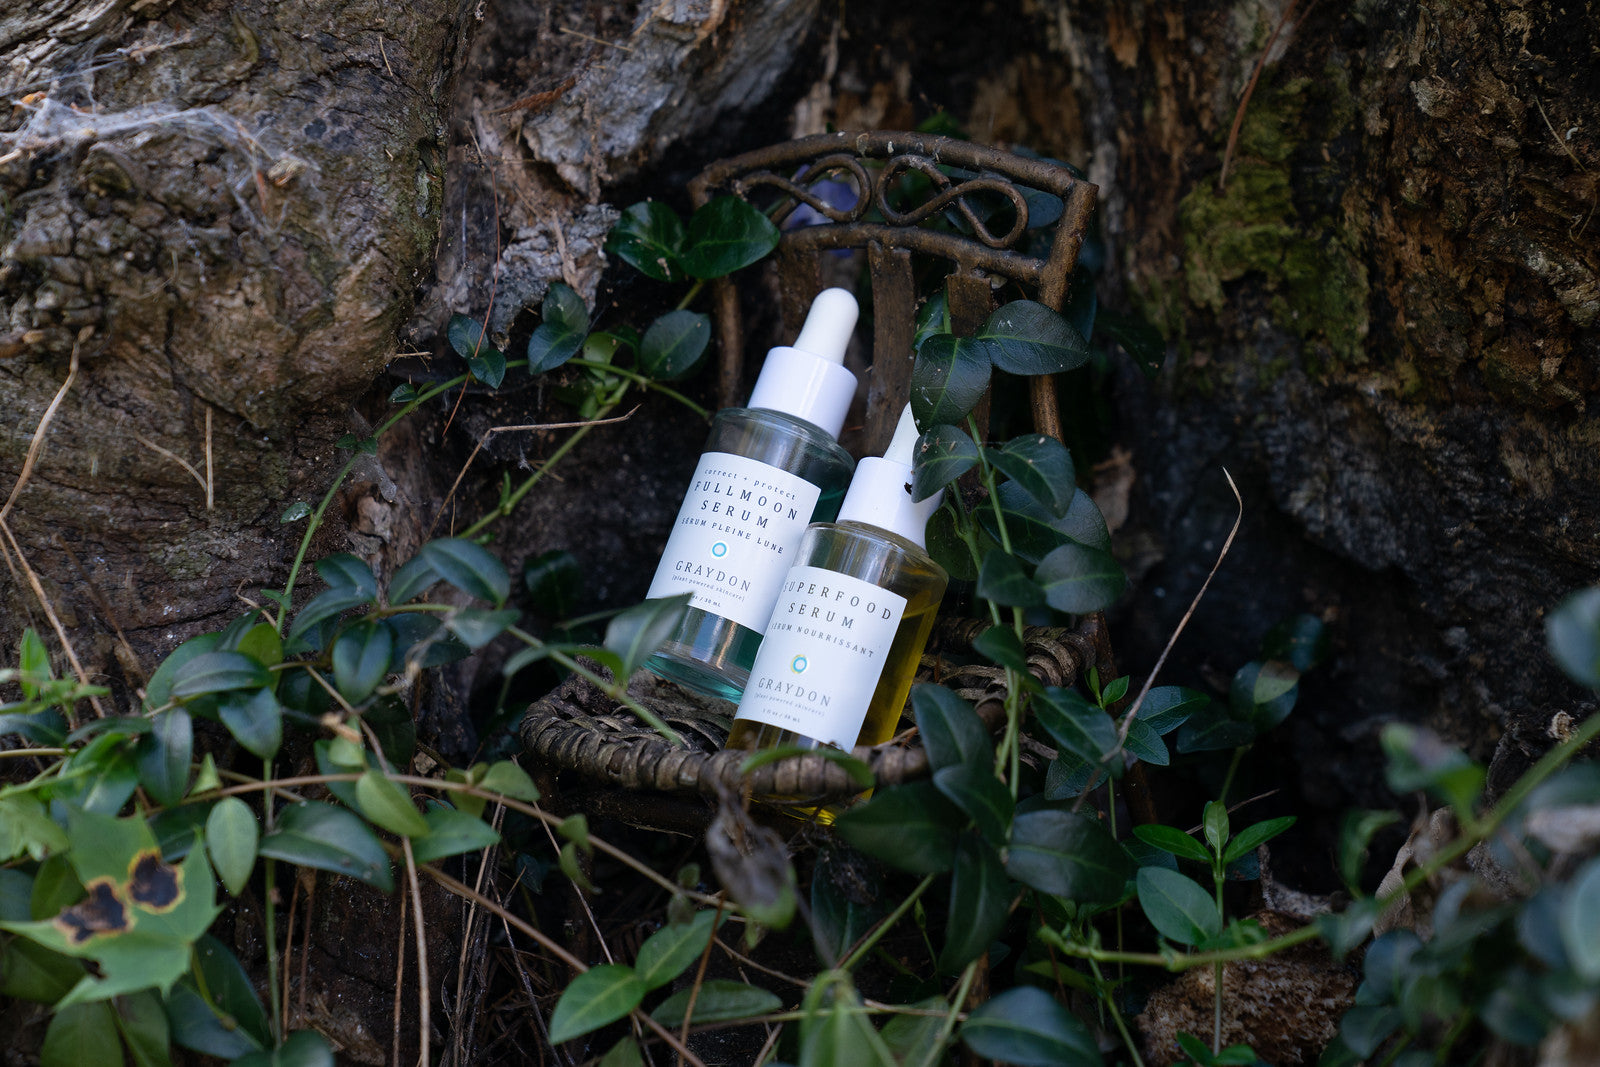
(808, 380)
(880, 492)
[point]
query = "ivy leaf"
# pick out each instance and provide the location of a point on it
(1572, 633)
(637, 632)
(1042, 467)
(486, 362)
(951, 731)
(942, 455)
(411, 579)
(314, 834)
(361, 658)
(596, 997)
(232, 835)
(720, 1000)
(910, 826)
(667, 952)
(1067, 855)
(1025, 337)
(1027, 1027)
(979, 794)
(1079, 580)
(1003, 580)
(1035, 533)
(1080, 727)
(1177, 906)
(1142, 341)
(649, 236)
(255, 720)
(1145, 743)
(725, 235)
(948, 379)
(328, 604)
(469, 567)
(980, 901)
(563, 326)
(674, 344)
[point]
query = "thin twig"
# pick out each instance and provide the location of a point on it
(1127, 721)
(288, 956)
(569, 425)
(36, 446)
(1250, 88)
(399, 982)
(50, 613)
(210, 482)
(425, 987)
(179, 460)
(596, 40)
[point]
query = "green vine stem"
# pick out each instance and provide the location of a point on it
(876, 933)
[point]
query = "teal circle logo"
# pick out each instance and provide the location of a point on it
(719, 549)
(798, 665)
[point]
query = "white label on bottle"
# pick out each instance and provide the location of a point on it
(734, 538)
(822, 655)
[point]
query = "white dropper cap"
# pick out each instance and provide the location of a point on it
(880, 492)
(808, 379)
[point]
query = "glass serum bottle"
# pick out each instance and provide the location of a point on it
(768, 471)
(852, 617)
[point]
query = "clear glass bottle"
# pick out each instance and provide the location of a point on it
(838, 657)
(768, 471)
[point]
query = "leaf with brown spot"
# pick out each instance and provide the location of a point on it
(103, 911)
(154, 886)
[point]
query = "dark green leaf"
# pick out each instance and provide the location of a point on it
(1365, 1029)
(648, 236)
(1177, 906)
(720, 1000)
(1002, 645)
(508, 779)
(1114, 691)
(411, 579)
(1042, 467)
(219, 672)
(164, 755)
(980, 901)
(1142, 341)
(554, 581)
(599, 996)
(1263, 693)
(948, 548)
(942, 455)
(327, 604)
(344, 571)
(33, 664)
(978, 793)
(952, 733)
(232, 834)
(1079, 579)
(478, 628)
(466, 337)
(667, 952)
(1211, 730)
(1067, 856)
(1572, 632)
(450, 833)
(1419, 759)
(1214, 822)
(918, 1039)
(361, 658)
(932, 317)
(835, 1031)
(1356, 830)
(637, 632)
(1301, 641)
(1251, 838)
(143, 1022)
(674, 345)
(99, 777)
(255, 720)
(1167, 707)
(1025, 337)
(947, 380)
(560, 333)
(1145, 743)
(838, 920)
(1004, 581)
(1027, 1027)
(1035, 533)
(195, 1026)
(910, 826)
(1171, 839)
(401, 394)
(303, 1048)
(314, 834)
(1079, 727)
(29, 971)
(81, 1034)
(469, 567)
(1580, 921)
(44, 728)
(388, 805)
(295, 512)
(723, 236)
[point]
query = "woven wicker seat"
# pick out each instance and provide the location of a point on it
(577, 728)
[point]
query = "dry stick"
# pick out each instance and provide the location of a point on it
(424, 991)
(484, 863)
(179, 460)
(1127, 721)
(461, 889)
(50, 613)
(699, 980)
(1565, 147)
(1250, 88)
(502, 429)
(399, 983)
(305, 949)
(36, 446)
(210, 482)
(288, 955)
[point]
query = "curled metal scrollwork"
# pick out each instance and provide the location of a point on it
(951, 193)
